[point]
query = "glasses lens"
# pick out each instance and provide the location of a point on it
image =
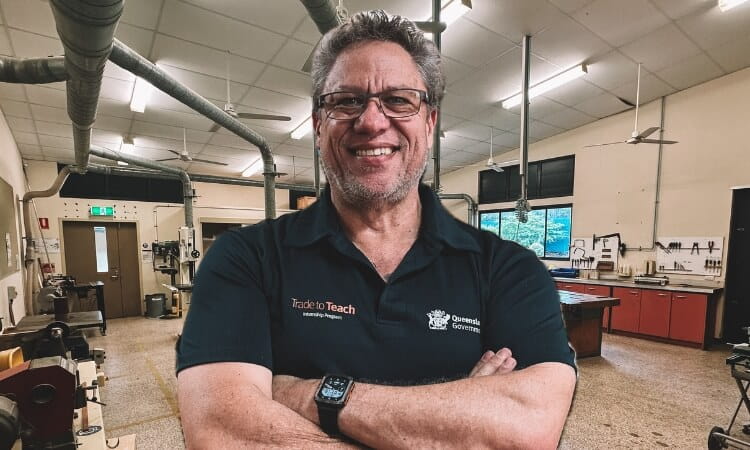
(400, 102)
(343, 105)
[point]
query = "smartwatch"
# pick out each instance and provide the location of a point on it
(331, 397)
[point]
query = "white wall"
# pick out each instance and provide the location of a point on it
(11, 170)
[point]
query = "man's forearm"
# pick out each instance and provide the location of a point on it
(221, 414)
(523, 409)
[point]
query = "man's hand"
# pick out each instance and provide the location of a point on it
(494, 363)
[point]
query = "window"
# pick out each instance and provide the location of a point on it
(546, 179)
(100, 243)
(121, 187)
(547, 232)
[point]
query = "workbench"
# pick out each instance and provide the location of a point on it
(583, 314)
(75, 320)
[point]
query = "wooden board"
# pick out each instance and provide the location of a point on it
(95, 441)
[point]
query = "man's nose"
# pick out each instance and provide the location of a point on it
(372, 118)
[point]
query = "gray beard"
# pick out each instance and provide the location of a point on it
(359, 195)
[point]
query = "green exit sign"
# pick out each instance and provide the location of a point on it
(102, 211)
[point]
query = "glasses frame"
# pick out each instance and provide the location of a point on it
(423, 98)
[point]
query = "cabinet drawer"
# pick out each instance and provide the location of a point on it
(687, 321)
(573, 287)
(594, 289)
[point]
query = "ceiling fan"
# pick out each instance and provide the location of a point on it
(491, 162)
(636, 137)
(229, 109)
(185, 156)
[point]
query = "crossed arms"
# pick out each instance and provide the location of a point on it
(241, 405)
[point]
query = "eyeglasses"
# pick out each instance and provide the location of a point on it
(394, 103)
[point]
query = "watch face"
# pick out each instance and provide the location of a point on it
(333, 388)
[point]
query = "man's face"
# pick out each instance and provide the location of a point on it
(373, 157)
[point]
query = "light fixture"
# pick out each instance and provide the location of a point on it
(253, 168)
(454, 10)
(122, 163)
(141, 94)
(726, 5)
(547, 85)
(302, 130)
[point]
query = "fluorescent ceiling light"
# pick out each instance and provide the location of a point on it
(454, 10)
(302, 130)
(726, 5)
(547, 85)
(122, 163)
(141, 95)
(253, 168)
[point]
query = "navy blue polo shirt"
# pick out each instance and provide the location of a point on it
(295, 295)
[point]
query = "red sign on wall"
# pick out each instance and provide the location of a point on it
(44, 223)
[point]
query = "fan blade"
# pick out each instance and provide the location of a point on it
(246, 115)
(647, 132)
(168, 159)
(307, 67)
(431, 26)
(655, 141)
(209, 162)
(599, 145)
(214, 128)
(172, 151)
(626, 101)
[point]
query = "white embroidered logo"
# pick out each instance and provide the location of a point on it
(438, 319)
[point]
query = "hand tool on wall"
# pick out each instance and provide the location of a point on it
(711, 246)
(661, 246)
(695, 248)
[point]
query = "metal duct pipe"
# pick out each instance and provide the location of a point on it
(33, 71)
(323, 13)
(128, 59)
(187, 187)
(145, 173)
(30, 255)
(86, 29)
(471, 204)
(522, 205)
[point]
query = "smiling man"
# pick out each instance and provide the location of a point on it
(373, 317)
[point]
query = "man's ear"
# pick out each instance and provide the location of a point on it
(432, 116)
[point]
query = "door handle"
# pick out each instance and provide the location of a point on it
(116, 275)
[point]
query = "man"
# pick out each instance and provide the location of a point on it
(373, 317)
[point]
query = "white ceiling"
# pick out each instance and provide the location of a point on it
(680, 43)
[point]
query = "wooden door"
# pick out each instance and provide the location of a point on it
(688, 319)
(654, 315)
(106, 252)
(625, 316)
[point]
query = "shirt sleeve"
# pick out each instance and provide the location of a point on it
(523, 310)
(228, 319)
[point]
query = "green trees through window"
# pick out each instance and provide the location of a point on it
(546, 233)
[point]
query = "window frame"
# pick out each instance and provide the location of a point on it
(499, 211)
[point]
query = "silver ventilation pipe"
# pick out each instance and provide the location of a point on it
(522, 204)
(33, 71)
(187, 187)
(128, 59)
(30, 254)
(471, 205)
(323, 13)
(146, 173)
(86, 29)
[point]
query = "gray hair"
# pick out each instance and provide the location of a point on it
(380, 26)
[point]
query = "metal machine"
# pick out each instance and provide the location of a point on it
(177, 259)
(739, 362)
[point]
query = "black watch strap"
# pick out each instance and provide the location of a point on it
(329, 419)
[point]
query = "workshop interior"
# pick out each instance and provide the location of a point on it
(609, 137)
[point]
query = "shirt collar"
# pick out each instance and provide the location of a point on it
(320, 220)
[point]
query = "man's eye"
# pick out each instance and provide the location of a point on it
(396, 100)
(347, 102)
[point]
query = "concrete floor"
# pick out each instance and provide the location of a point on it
(639, 394)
